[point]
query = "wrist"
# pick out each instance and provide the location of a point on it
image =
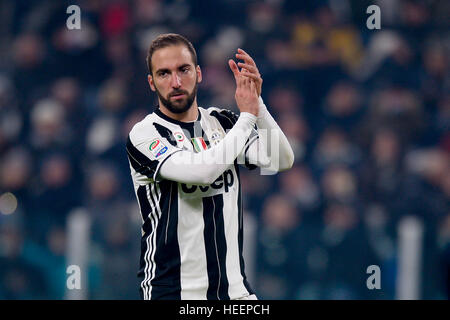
(248, 117)
(262, 109)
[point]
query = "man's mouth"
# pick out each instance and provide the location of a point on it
(178, 96)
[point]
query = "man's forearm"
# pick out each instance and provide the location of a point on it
(272, 138)
(204, 167)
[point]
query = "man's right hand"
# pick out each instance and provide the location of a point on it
(246, 95)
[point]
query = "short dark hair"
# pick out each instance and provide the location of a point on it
(166, 40)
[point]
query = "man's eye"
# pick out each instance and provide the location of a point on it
(185, 70)
(163, 74)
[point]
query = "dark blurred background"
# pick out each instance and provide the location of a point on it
(367, 113)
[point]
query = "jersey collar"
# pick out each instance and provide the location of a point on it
(180, 123)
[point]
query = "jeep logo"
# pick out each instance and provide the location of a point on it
(226, 179)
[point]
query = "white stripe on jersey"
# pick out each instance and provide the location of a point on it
(150, 255)
(193, 269)
(231, 224)
(148, 264)
(157, 197)
(148, 247)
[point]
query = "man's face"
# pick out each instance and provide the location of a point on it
(174, 77)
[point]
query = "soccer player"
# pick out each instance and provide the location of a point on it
(184, 162)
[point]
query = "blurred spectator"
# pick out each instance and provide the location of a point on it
(334, 147)
(382, 173)
(254, 190)
(15, 176)
(326, 41)
(398, 108)
(282, 100)
(444, 247)
(30, 73)
(301, 187)
(432, 168)
(19, 278)
(115, 236)
(339, 184)
(442, 121)
(49, 129)
(11, 119)
(279, 224)
(345, 240)
(57, 194)
(117, 254)
(434, 77)
(297, 132)
(343, 106)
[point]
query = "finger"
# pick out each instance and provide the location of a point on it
(245, 81)
(256, 80)
(246, 58)
(253, 76)
(242, 51)
(248, 67)
(253, 86)
(239, 81)
(234, 68)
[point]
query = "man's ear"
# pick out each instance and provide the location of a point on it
(150, 82)
(199, 74)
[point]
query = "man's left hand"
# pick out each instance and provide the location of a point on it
(249, 69)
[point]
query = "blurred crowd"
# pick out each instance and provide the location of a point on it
(367, 113)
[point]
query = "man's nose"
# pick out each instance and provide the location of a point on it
(176, 81)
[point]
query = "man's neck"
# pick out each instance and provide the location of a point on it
(188, 116)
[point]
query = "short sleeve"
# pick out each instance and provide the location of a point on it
(147, 150)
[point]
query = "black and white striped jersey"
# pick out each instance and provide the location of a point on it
(192, 235)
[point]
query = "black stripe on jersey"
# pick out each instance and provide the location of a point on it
(165, 133)
(167, 283)
(139, 161)
(226, 118)
(154, 218)
(146, 209)
(147, 263)
(241, 232)
(193, 131)
(215, 248)
(247, 163)
(221, 246)
(205, 137)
